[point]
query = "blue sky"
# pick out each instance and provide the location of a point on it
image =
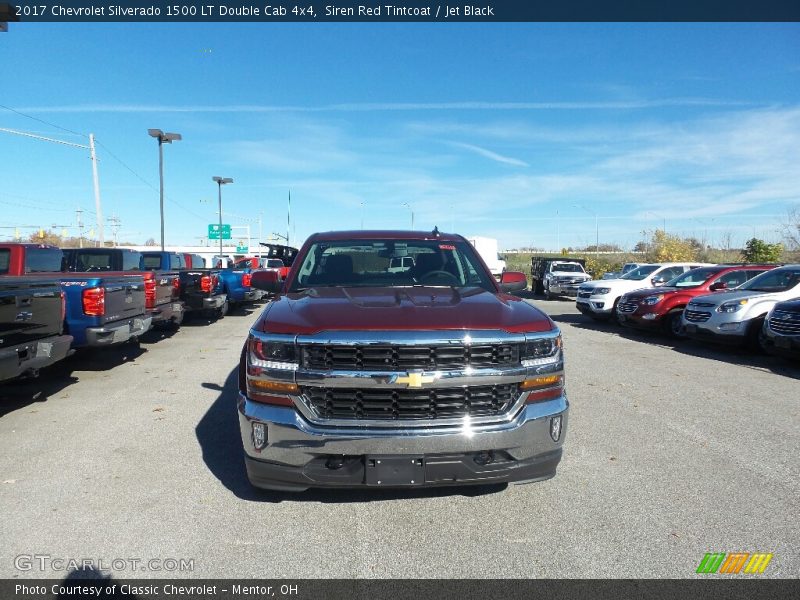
(523, 132)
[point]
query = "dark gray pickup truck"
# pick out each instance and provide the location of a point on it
(31, 325)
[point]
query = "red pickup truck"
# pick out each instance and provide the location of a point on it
(355, 375)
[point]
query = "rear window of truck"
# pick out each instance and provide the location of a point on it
(5, 258)
(42, 260)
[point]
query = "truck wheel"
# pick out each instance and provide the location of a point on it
(222, 311)
(547, 294)
(614, 313)
(672, 324)
(538, 287)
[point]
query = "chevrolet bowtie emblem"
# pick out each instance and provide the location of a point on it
(415, 380)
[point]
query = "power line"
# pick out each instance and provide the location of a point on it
(22, 114)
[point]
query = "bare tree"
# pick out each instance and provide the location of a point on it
(791, 228)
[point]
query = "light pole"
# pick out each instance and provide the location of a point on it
(596, 227)
(362, 214)
(408, 206)
(220, 182)
(163, 138)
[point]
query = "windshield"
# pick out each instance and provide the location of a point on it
(777, 280)
(274, 263)
(693, 278)
(372, 263)
(567, 267)
(640, 273)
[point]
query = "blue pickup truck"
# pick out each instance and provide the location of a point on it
(235, 284)
(101, 308)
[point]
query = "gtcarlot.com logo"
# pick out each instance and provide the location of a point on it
(47, 562)
(734, 563)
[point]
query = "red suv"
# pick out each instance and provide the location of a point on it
(661, 307)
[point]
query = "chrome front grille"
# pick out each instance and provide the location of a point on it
(410, 404)
(696, 316)
(784, 322)
(403, 358)
(627, 305)
(584, 294)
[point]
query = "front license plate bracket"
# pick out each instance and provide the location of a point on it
(394, 470)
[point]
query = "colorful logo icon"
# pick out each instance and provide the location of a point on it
(734, 563)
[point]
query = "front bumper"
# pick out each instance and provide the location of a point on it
(781, 345)
(299, 455)
(32, 356)
(710, 331)
(118, 331)
(564, 290)
(596, 305)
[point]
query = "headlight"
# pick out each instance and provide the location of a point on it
(733, 306)
(272, 355)
(651, 300)
(600, 291)
(541, 351)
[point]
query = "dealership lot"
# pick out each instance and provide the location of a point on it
(672, 451)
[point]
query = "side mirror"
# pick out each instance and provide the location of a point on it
(269, 281)
(513, 281)
(657, 280)
(718, 285)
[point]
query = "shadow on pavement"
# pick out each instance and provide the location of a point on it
(221, 445)
(19, 393)
(93, 584)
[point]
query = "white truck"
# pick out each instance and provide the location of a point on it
(487, 248)
(737, 316)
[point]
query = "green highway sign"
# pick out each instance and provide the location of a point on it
(241, 249)
(214, 231)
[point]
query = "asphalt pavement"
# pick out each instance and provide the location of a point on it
(133, 454)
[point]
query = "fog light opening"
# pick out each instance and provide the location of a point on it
(555, 428)
(259, 435)
(484, 458)
(334, 463)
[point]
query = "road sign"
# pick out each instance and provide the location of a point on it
(214, 231)
(241, 249)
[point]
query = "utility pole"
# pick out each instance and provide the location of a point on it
(288, 217)
(78, 214)
(93, 156)
(115, 225)
(96, 191)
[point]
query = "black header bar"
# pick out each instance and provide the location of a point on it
(365, 11)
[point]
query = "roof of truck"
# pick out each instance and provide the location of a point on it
(384, 234)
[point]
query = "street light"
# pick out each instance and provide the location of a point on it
(220, 182)
(407, 205)
(596, 226)
(163, 138)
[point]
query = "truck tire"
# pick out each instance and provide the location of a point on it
(538, 287)
(547, 294)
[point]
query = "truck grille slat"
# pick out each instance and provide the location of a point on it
(784, 322)
(696, 316)
(376, 358)
(427, 404)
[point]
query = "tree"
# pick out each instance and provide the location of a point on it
(663, 247)
(150, 242)
(758, 251)
(791, 228)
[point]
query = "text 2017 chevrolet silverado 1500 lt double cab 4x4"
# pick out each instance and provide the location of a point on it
(102, 308)
(31, 323)
(358, 376)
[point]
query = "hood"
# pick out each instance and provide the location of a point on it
(617, 285)
(412, 308)
(666, 291)
(789, 306)
(718, 298)
(571, 274)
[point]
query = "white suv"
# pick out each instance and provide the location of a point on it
(736, 316)
(598, 299)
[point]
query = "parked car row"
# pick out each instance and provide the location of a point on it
(739, 304)
(55, 301)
